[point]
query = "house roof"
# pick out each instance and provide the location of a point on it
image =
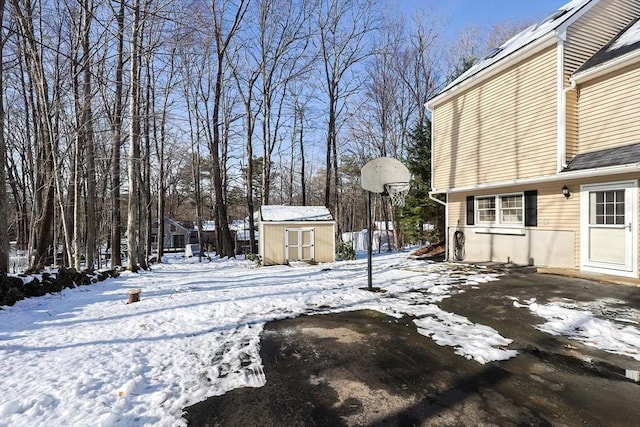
(627, 41)
(618, 156)
(522, 40)
(277, 213)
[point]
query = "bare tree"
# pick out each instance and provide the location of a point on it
(246, 75)
(4, 222)
(133, 162)
(115, 121)
(44, 198)
(226, 19)
(344, 27)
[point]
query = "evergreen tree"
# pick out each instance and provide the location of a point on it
(419, 210)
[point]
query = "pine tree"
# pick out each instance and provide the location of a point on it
(419, 209)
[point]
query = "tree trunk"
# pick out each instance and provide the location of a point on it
(133, 163)
(87, 131)
(116, 141)
(4, 223)
(44, 197)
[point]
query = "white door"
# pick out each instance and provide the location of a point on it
(608, 217)
(299, 244)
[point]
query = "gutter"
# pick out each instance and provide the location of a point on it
(432, 192)
(562, 176)
(607, 67)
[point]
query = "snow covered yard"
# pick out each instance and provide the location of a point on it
(85, 357)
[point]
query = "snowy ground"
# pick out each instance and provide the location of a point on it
(85, 357)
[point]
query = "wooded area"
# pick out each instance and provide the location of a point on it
(118, 112)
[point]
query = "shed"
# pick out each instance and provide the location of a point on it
(296, 233)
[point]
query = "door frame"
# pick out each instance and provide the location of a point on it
(631, 219)
(300, 245)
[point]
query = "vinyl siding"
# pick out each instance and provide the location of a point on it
(584, 38)
(608, 111)
(594, 29)
(502, 129)
(558, 226)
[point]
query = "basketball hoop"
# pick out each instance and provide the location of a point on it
(397, 192)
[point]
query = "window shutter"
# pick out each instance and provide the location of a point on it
(470, 210)
(531, 208)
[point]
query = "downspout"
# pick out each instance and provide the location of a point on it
(563, 135)
(432, 192)
(562, 103)
(446, 222)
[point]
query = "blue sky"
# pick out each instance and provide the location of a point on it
(483, 13)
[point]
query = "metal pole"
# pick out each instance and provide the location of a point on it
(370, 242)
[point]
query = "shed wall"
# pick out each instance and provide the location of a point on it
(273, 241)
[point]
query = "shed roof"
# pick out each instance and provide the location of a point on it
(276, 213)
(627, 41)
(618, 156)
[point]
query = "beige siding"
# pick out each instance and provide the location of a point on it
(554, 242)
(571, 122)
(272, 238)
(594, 29)
(557, 235)
(500, 130)
(584, 38)
(608, 111)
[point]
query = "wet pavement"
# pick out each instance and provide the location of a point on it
(364, 368)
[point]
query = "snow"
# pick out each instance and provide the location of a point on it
(85, 357)
(295, 213)
(627, 38)
(522, 39)
(582, 322)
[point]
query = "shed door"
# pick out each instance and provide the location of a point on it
(608, 221)
(299, 244)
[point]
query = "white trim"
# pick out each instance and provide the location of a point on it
(312, 242)
(497, 223)
(499, 230)
(562, 176)
(607, 67)
(631, 213)
(559, 33)
(491, 70)
(301, 223)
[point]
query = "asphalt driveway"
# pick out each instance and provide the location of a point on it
(365, 368)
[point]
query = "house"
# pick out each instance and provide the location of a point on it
(536, 149)
(176, 235)
(296, 233)
(207, 235)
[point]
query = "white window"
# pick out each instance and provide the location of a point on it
(502, 209)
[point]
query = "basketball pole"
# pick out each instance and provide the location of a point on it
(370, 242)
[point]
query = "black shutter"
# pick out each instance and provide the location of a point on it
(531, 208)
(470, 210)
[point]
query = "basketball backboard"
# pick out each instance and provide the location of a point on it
(383, 170)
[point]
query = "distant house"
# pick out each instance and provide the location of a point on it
(296, 233)
(176, 235)
(207, 234)
(242, 235)
(536, 148)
